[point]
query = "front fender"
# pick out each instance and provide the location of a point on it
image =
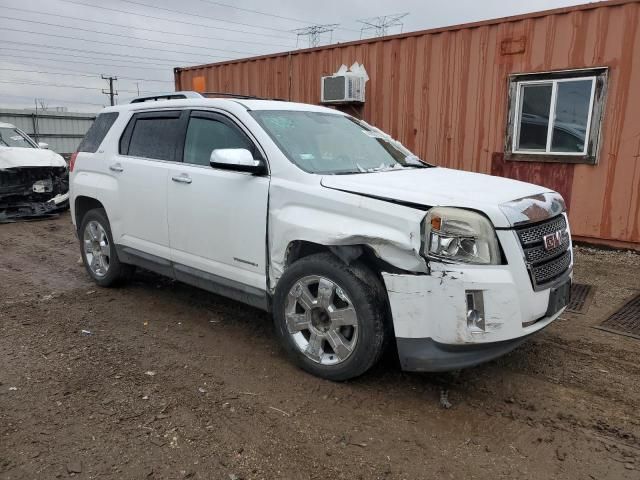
(332, 218)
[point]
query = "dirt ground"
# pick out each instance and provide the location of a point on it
(161, 380)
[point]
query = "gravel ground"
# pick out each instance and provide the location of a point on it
(160, 380)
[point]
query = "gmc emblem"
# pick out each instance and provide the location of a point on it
(553, 240)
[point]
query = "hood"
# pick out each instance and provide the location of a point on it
(15, 157)
(438, 186)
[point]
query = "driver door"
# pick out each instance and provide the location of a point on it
(217, 217)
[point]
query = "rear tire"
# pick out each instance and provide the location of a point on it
(98, 250)
(330, 317)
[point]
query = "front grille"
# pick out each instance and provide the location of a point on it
(539, 254)
(534, 234)
(544, 265)
(551, 270)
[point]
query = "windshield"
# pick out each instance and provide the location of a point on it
(12, 137)
(327, 143)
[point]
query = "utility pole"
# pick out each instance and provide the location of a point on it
(112, 93)
(381, 25)
(35, 122)
(313, 33)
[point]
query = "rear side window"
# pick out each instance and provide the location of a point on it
(153, 135)
(96, 133)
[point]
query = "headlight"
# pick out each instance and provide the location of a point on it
(459, 235)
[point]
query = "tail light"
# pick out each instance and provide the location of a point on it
(72, 161)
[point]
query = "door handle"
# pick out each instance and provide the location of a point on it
(116, 167)
(183, 178)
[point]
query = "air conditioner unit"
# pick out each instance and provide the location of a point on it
(344, 88)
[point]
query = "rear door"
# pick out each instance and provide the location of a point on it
(218, 218)
(149, 146)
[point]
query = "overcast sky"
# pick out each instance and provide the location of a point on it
(56, 50)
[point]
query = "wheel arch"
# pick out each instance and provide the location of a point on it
(362, 253)
(82, 205)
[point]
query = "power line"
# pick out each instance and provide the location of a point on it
(254, 11)
(75, 73)
(137, 65)
(112, 24)
(57, 85)
(129, 36)
(156, 7)
(171, 20)
(105, 53)
(54, 100)
(258, 12)
(112, 43)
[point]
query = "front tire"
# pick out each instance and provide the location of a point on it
(330, 317)
(99, 251)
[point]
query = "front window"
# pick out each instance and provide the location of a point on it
(556, 116)
(204, 135)
(329, 143)
(12, 137)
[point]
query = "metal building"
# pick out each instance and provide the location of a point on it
(478, 97)
(63, 131)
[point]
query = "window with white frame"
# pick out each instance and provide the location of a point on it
(555, 116)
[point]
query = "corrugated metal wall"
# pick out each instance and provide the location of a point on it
(444, 93)
(63, 131)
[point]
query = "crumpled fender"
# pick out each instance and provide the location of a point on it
(331, 218)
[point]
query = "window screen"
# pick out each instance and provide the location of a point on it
(96, 133)
(204, 135)
(154, 138)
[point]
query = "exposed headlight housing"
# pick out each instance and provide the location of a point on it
(458, 235)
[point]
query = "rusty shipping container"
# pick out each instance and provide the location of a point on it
(444, 93)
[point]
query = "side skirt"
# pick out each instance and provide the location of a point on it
(198, 278)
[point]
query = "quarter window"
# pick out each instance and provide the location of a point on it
(96, 133)
(555, 116)
(204, 135)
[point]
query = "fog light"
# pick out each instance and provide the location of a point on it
(475, 311)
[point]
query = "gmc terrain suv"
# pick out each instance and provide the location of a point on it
(349, 239)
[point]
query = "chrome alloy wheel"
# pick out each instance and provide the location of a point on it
(321, 320)
(96, 248)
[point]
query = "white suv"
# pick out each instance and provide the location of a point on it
(348, 238)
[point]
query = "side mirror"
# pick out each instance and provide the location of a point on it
(43, 145)
(238, 159)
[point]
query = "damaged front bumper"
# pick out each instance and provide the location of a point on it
(33, 192)
(459, 316)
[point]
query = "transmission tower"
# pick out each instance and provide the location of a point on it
(313, 33)
(381, 25)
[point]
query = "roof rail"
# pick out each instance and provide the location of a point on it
(238, 95)
(232, 95)
(167, 96)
